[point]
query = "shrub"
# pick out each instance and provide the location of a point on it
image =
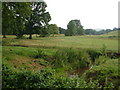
(93, 54)
(60, 58)
(77, 58)
(104, 50)
(108, 69)
(101, 60)
(39, 53)
(84, 59)
(47, 78)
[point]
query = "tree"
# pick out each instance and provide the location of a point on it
(38, 21)
(53, 29)
(61, 30)
(14, 17)
(90, 32)
(74, 27)
(80, 30)
(71, 28)
(7, 16)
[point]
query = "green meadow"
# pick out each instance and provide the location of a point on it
(91, 41)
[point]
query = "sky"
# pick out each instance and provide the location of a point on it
(94, 14)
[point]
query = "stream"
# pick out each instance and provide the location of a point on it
(78, 71)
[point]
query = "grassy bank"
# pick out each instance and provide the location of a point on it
(31, 67)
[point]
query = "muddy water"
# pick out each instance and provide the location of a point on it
(78, 71)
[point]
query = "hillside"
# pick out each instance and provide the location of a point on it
(113, 33)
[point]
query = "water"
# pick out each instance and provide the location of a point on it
(78, 71)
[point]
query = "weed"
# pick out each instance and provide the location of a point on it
(78, 58)
(39, 53)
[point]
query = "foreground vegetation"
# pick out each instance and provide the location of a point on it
(40, 69)
(60, 64)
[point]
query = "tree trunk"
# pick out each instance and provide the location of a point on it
(30, 37)
(4, 36)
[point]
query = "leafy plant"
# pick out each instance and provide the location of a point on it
(39, 53)
(94, 54)
(77, 58)
(104, 50)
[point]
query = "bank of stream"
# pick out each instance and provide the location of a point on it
(78, 71)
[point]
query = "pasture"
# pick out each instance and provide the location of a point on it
(91, 41)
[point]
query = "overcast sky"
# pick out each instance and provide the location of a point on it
(93, 14)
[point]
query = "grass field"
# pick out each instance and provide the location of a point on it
(94, 42)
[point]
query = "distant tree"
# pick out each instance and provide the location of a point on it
(114, 29)
(74, 27)
(53, 29)
(108, 30)
(79, 27)
(90, 32)
(71, 28)
(61, 30)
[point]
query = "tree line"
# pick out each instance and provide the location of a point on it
(103, 31)
(28, 18)
(19, 18)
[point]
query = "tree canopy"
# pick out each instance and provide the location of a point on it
(19, 18)
(53, 29)
(38, 19)
(14, 17)
(74, 27)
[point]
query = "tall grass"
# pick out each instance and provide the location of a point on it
(105, 69)
(39, 53)
(77, 58)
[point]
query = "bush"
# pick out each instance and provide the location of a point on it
(48, 78)
(104, 50)
(101, 60)
(78, 58)
(107, 69)
(84, 59)
(113, 37)
(45, 78)
(60, 58)
(93, 54)
(39, 53)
